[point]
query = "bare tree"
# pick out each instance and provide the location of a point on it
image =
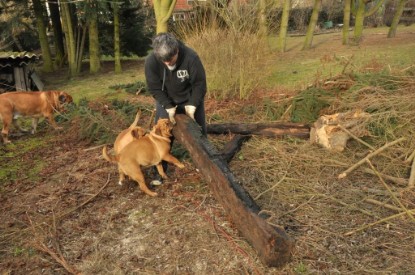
(263, 27)
(360, 11)
(117, 54)
(396, 18)
(312, 25)
(163, 10)
(346, 22)
(57, 32)
(70, 40)
(40, 12)
(284, 25)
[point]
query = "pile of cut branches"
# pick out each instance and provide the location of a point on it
(350, 211)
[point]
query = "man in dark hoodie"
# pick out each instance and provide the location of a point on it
(176, 79)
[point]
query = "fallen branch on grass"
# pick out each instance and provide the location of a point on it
(360, 162)
(233, 146)
(412, 211)
(410, 158)
(383, 204)
(85, 202)
(355, 137)
(390, 191)
(58, 257)
(395, 180)
(272, 129)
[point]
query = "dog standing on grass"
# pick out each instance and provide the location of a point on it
(30, 104)
(146, 151)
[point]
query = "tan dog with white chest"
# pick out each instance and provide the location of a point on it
(149, 150)
(30, 104)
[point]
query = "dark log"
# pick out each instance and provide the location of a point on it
(273, 129)
(273, 245)
(233, 146)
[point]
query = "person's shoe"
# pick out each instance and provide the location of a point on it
(157, 181)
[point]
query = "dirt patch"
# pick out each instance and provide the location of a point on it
(76, 213)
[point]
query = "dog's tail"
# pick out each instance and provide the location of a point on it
(108, 157)
(137, 118)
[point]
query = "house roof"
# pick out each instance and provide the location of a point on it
(12, 59)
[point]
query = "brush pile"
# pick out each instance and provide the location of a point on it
(351, 211)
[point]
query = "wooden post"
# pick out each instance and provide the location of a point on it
(19, 79)
(272, 243)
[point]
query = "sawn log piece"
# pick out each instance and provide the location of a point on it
(273, 245)
(272, 129)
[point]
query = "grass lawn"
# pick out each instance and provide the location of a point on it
(294, 69)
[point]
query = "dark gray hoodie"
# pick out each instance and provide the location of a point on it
(186, 84)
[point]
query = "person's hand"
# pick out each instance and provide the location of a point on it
(172, 112)
(190, 111)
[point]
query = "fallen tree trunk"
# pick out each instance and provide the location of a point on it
(272, 243)
(233, 146)
(272, 129)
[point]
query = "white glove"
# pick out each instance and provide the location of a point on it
(190, 111)
(172, 112)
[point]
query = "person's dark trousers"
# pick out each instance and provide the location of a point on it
(200, 119)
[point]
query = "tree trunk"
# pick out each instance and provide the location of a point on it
(40, 11)
(361, 13)
(272, 129)
(358, 25)
(263, 27)
(396, 18)
(274, 246)
(284, 25)
(94, 59)
(346, 22)
(57, 32)
(117, 54)
(70, 38)
(163, 9)
(80, 46)
(312, 25)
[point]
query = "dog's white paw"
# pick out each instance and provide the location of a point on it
(120, 182)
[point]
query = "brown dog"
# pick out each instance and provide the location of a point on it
(129, 134)
(30, 104)
(149, 150)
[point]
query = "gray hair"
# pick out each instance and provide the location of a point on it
(165, 46)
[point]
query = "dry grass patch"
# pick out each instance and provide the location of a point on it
(362, 223)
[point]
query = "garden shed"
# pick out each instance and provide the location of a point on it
(17, 72)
